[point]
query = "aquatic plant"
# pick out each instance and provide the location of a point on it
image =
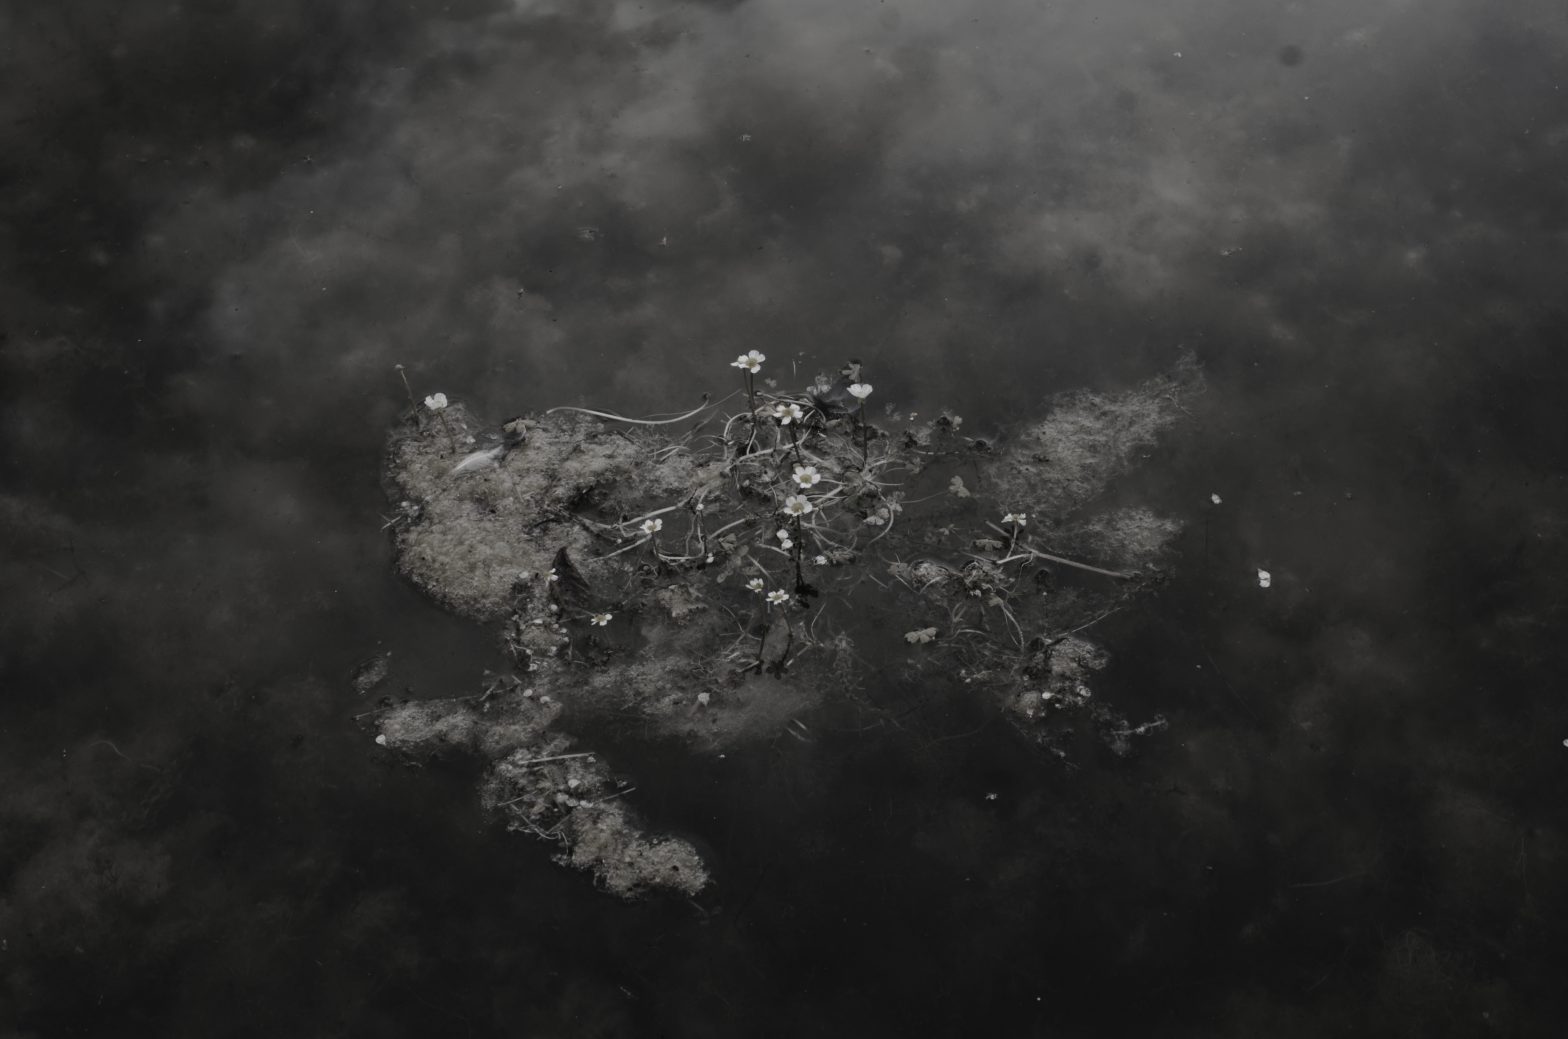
(778, 542)
(860, 391)
(437, 403)
(750, 363)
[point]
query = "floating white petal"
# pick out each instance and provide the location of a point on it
(481, 460)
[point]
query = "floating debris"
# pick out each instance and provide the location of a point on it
(699, 546)
(479, 460)
(371, 673)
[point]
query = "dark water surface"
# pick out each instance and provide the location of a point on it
(222, 224)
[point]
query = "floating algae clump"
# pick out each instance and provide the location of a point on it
(708, 586)
(1064, 461)
(473, 535)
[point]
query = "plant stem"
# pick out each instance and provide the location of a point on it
(800, 579)
(864, 433)
(450, 439)
(407, 388)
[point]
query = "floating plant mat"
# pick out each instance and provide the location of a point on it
(716, 580)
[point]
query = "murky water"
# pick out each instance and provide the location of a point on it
(225, 224)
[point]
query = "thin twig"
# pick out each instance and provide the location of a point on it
(557, 757)
(1057, 559)
(1074, 631)
(639, 421)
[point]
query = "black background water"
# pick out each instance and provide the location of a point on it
(222, 224)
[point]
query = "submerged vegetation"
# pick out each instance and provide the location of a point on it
(713, 578)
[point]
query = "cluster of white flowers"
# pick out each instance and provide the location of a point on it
(751, 361)
(804, 478)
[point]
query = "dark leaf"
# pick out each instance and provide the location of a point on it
(776, 643)
(569, 587)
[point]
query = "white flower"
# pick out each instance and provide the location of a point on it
(553, 575)
(787, 413)
(1215, 498)
(778, 596)
(601, 620)
(807, 476)
(1017, 519)
(821, 560)
(1265, 579)
(786, 544)
(797, 505)
(436, 401)
(755, 584)
(860, 390)
(652, 526)
(751, 360)
(781, 534)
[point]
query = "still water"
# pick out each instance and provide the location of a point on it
(224, 224)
